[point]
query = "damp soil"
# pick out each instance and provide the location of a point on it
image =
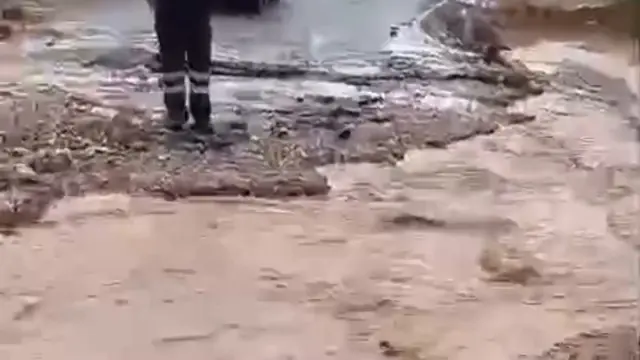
(372, 222)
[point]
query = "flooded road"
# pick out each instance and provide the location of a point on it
(520, 237)
(423, 256)
(289, 32)
(291, 28)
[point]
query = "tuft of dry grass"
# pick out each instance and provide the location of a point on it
(279, 154)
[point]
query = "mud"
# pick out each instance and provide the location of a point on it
(616, 343)
(613, 16)
(523, 230)
(78, 147)
(258, 151)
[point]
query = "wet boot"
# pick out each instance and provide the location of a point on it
(177, 115)
(198, 66)
(175, 119)
(200, 107)
(170, 29)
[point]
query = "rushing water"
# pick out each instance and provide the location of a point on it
(301, 27)
(347, 36)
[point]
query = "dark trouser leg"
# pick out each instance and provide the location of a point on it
(199, 62)
(172, 57)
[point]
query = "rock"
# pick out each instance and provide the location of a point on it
(280, 132)
(18, 152)
(25, 172)
(408, 220)
(290, 184)
(324, 99)
(22, 208)
(5, 31)
(393, 31)
(29, 304)
(342, 110)
(463, 25)
(389, 350)
(506, 265)
(122, 58)
(518, 118)
(616, 343)
(370, 99)
(19, 175)
(51, 161)
(266, 184)
(14, 13)
(124, 130)
(380, 117)
(345, 132)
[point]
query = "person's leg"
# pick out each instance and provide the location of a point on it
(199, 63)
(169, 31)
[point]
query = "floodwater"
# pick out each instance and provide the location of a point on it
(137, 278)
(311, 29)
(332, 32)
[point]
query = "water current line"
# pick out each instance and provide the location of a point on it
(381, 54)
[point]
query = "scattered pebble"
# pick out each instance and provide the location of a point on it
(29, 304)
(121, 302)
(331, 350)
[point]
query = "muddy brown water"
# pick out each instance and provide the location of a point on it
(499, 246)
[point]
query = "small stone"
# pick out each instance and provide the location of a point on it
(14, 13)
(345, 111)
(29, 305)
(18, 152)
(139, 146)
(325, 99)
(504, 268)
(380, 117)
(370, 98)
(20, 208)
(531, 302)
(281, 132)
(406, 219)
(5, 31)
(25, 171)
(238, 125)
(52, 161)
(393, 30)
(331, 350)
(345, 132)
(121, 302)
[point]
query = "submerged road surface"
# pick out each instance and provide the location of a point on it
(290, 31)
(311, 29)
(495, 248)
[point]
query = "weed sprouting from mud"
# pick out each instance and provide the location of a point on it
(278, 154)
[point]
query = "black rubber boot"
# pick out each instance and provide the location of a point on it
(176, 119)
(202, 127)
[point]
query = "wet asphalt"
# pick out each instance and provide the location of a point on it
(289, 29)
